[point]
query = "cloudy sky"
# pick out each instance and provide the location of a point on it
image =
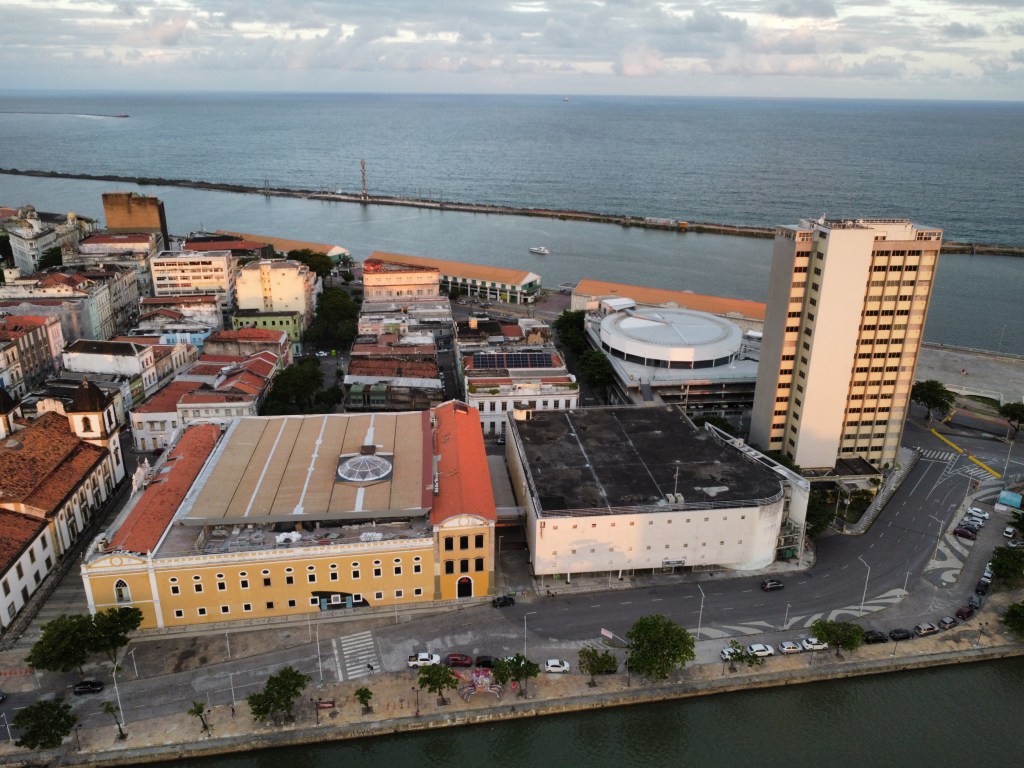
(972, 49)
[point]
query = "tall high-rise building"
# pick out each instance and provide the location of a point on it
(847, 302)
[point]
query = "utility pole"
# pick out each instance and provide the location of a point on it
(362, 168)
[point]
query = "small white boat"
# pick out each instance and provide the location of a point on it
(540, 249)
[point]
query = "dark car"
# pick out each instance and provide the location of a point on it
(3, 697)
(976, 602)
(965, 613)
(948, 622)
(485, 661)
(770, 585)
(458, 660)
(88, 686)
(901, 634)
(965, 533)
(873, 636)
(982, 588)
(503, 601)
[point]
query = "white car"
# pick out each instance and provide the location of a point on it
(727, 653)
(788, 646)
(556, 665)
(1014, 543)
(1009, 532)
(760, 649)
(813, 644)
(978, 512)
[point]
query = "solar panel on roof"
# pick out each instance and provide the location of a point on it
(485, 360)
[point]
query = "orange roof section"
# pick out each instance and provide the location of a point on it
(464, 478)
(462, 269)
(166, 400)
(716, 305)
(155, 509)
(17, 532)
(283, 245)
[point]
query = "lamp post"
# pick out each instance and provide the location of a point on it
(700, 615)
(319, 656)
(117, 694)
(905, 582)
(938, 538)
(524, 631)
(497, 565)
(627, 672)
(136, 666)
(8, 725)
(316, 708)
(78, 741)
(417, 692)
(228, 643)
(785, 621)
(866, 578)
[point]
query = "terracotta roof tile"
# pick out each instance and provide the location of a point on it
(415, 369)
(168, 397)
(149, 518)
(17, 532)
(699, 302)
(464, 478)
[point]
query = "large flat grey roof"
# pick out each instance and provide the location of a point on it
(627, 456)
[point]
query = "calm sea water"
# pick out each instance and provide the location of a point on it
(914, 720)
(750, 161)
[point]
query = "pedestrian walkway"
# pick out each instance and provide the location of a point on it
(940, 456)
(359, 655)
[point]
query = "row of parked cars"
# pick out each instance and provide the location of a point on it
(487, 662)
(785, 647)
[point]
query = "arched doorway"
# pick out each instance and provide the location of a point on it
(465, 587)
(121, 592)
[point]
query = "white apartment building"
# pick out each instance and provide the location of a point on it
(278, 285)
(397, 281)
(847, 303)
(131, 249)
(33, 234)
(185, 273)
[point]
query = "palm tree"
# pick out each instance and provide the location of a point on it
(199, 710)
(110, 708)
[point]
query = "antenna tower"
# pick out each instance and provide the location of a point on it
(362, 167)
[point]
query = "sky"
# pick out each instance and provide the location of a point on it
(945, 49)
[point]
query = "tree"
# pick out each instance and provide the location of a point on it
(51, 257)
(593, 663)
(1008, 563)
(64, 644)
(657, 646)
(363, 696)
(596, 369)
(821, 510)
(111, 629)
(278, 696)
(841, 635)
(1014, 619)
(933, 396)
(44, 725)
(198, 709)
(295, 389)
(716, 421)
(1014, 415)
(437, 678)
(569, 327)
(110, 708)
(317, 261)
(518, 669)
(6, 252)
(740, 655)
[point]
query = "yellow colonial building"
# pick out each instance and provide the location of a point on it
(284, 516)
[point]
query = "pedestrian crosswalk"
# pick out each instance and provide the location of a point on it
(934, 455)
(359, 655)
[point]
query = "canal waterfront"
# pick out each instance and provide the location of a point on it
(921, 719)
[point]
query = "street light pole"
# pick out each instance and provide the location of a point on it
(497, 565)
(417, 692)
(4, 716)
(700, 615)
(117, 694)
(319, 656)
(136, 666)
(866, 578)
(938, 538)
(524, 631)
(228, 642)
(785, 621)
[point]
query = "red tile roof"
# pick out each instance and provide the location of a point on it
(414, 369)
(153, 512)
(161, 301)
(464, 478)
(115, 239)
(17, 532)
(249, 334)
(225, 245)
(167, 398)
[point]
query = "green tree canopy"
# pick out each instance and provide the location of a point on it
(518, 669)
(437, 678)
(1014, 415)
(1014, 619)
(198, 709)
(821, 510)
(64, 644)
(335, 319)
(111, 629)
(740, 655)
(716, 421)
(51, 257)
(657, 646)
(841, 635)
(933, 395)
(364, 695)
(593, 662)
(277, 699)
(6, 252)
(295, 389)
(44, 725)
(317, 261)
(596, 369)
(1008, 563)
(569, 327)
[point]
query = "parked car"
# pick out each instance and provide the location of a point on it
(963, 614)
(976, 601)
(1014, 543)
(813, 644)
(770, 585)
(760, 649)
(87, 686)
(458, 660)
(978, 512)
(3, 697)
(970, 524)
(948, 622)
(987, 575)
(485, 661)
(556, 666)
(982, 587)
(503, 601)
(925, 628)
(901, 634)
(965, 533)
(873, 636)
(727, 653)
(788, 646)
(1010, 532)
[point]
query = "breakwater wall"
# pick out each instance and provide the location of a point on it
(641, 222)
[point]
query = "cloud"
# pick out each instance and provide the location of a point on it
(639, 61)
(958, 31)
(813, 9)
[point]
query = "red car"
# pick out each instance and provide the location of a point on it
(458, 660)
(965, 533)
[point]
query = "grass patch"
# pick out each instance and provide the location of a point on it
(991, 403)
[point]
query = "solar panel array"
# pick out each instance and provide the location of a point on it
(490, 360)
